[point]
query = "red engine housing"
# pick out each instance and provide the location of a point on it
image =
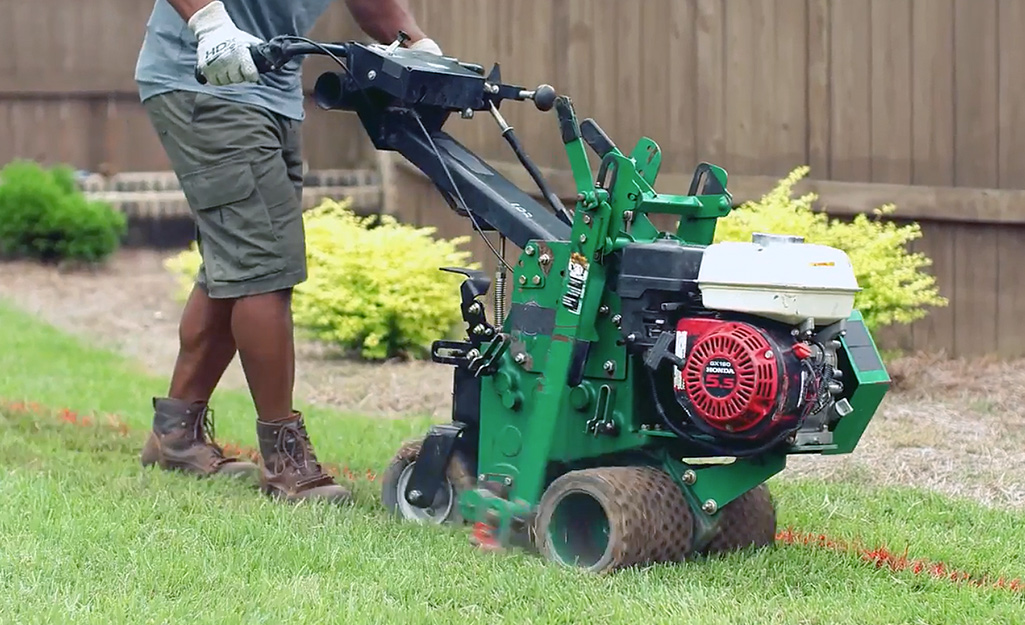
(735, 375)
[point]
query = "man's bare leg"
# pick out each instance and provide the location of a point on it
(206, 347)
(263, 331)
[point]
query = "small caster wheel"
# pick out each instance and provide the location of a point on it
(445, 508)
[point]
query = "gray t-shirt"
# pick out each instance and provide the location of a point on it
(167, 60)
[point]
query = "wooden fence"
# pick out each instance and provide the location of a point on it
(916, 102)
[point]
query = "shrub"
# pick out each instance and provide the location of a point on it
(45, 216)
(375, 285)
(895, 290)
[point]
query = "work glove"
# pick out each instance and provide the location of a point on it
(426, 45)
(223, 52)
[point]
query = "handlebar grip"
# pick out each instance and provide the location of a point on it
(263, 64)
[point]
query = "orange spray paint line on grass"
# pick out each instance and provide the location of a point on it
(882, 557)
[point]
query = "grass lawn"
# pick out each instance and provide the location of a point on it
(88, 536)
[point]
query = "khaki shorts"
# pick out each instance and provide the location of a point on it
(240, 167)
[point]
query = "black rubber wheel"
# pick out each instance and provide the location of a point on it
(747, 521)
(445, 507)
(610, 518)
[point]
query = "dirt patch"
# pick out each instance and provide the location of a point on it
(954, 426)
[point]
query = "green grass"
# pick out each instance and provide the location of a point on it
(88, 536)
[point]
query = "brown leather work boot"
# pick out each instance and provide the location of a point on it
(182, 439)
(290, 467)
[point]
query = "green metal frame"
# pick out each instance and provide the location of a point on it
(534, 426)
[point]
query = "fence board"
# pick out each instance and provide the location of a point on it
(975, 90)
(710, 90)
(788, 139)
(976, 265)
(818, 100)
(1010, 292)
(1011, 99)
(892, 118)
(851, 101)
(932, 101)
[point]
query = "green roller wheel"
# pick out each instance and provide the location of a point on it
(610, 518)
(746, 522)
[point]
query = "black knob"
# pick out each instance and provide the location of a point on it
(544, 97)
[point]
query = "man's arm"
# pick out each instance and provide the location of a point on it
(188, 8)
(380, 19)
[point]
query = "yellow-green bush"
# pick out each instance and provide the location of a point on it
(895, 290)
(375, 285)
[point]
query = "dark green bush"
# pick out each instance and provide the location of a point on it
(45, 216)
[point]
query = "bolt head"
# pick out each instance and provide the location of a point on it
(520, 358)
(508, 481)
(371, 75)
(689, 477)
(583, 238)
(587, 219)
(710, 506)
(536, 279)
(609, 366)
(544, 259)
(523, 279)
(603, 309)
(529, 250)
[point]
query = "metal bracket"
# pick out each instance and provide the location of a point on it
(603, 421)
(483, 363)
(432, 463)
(477, 283)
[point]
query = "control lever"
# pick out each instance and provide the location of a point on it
(544, 98)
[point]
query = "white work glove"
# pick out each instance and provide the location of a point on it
(426, 45)
(223, 53)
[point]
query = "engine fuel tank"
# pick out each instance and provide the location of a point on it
(780, 278)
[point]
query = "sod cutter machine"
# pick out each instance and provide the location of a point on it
(643, 384)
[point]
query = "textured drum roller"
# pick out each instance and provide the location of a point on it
(748, 521)
(610, 518)
(458, 476)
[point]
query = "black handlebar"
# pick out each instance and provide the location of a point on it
(272, 55)
(413, 78)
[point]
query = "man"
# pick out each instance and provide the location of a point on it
(234, 144)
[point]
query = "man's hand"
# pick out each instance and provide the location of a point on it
(223, 52)
(427, 45)
(383, 19)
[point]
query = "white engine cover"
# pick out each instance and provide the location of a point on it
(786, 281)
